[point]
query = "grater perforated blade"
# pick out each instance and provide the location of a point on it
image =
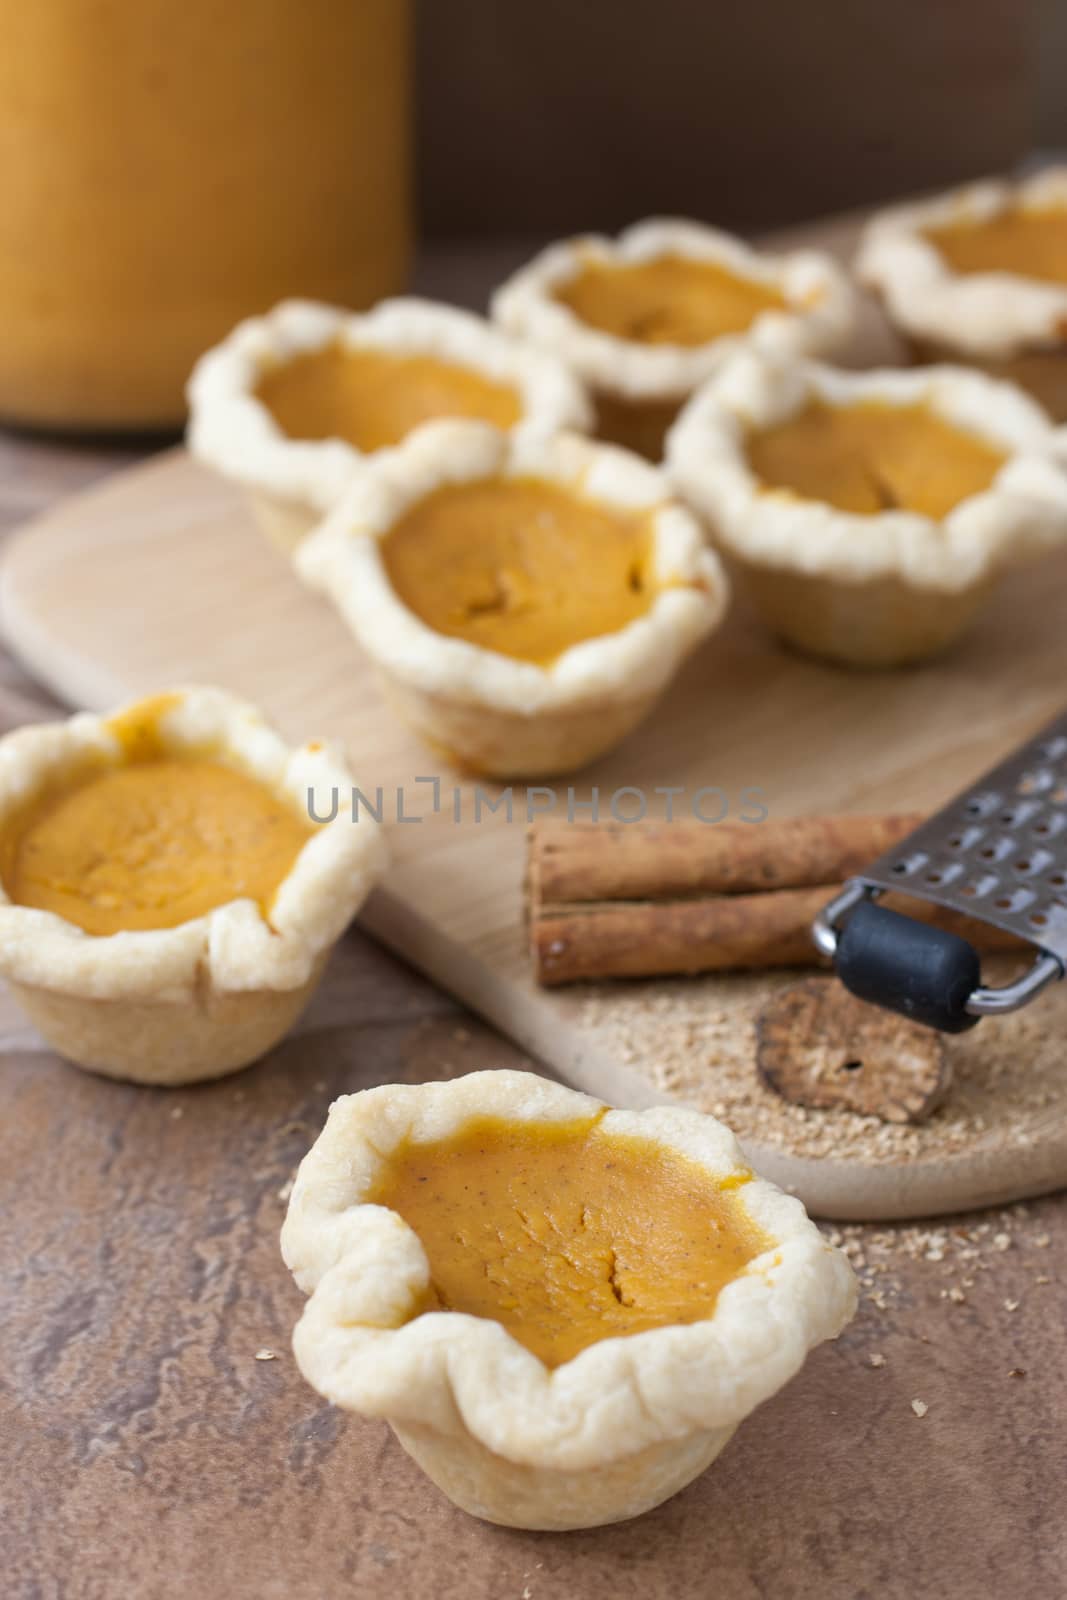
(998, 854)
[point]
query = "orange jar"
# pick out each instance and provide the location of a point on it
(170, 166)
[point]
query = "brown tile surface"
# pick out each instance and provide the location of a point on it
(148, 1453)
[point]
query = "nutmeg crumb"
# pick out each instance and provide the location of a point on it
(695, 1040)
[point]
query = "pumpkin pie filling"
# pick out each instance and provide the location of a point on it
(873, 457)
(1028, 241)
(671, 299)
(153, 842)
(521, 566)
(566, 1234)
(373, 399)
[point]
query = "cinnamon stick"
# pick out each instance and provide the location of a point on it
(629, 901)
(571, 862)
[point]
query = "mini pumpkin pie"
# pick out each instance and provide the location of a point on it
(869, 514)
(645, 318)
(563, 1311)
(980, 276)
(291, 404)
(525, 599)
(167, 905)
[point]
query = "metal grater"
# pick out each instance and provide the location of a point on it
(997, 853)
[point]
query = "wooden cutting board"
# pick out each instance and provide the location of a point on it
(159, 577)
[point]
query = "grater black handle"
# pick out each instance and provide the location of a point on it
(997, 854)
(893, 961)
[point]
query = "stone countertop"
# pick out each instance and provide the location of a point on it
(149, 1449)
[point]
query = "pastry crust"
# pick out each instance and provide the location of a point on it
(819, 318)
(173, 1005)
(293, 482)
(873, 590)
(608, 1434)
(980, 316)
(489, 712)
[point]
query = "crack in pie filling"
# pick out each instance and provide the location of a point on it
(293, 404)
(565, 1234)
(521, 566)
(166, 904)
(667, 300)
(868, 514)
(525, 599)
(871, 457)
(979, 275)
(563, 1311)
(644, 319)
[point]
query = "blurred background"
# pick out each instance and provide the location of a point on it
(544, 116)
(168, 169)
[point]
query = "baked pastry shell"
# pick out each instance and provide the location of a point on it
(605, 1436)
(869, 591)
(1012, 327)
(292, 483)
(175, 1005)
(486, 712)
(639, 387)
